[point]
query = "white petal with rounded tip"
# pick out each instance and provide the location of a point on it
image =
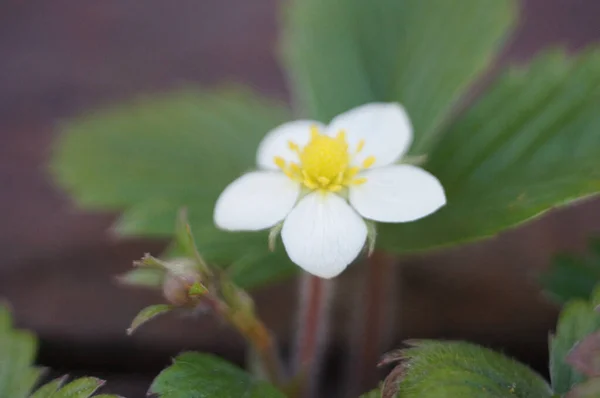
(256, 201)
(323, 234)
(384, 127)
(276, 142)
(398, 193)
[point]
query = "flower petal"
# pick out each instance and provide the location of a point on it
(398, 193)
(323, 234)
(276, 142)
(384, 127)
(256, 201)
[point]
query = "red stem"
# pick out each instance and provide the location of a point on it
(373, 325)
(315, 295)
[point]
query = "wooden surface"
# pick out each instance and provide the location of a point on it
(60, 58)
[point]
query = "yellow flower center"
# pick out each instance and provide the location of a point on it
(325, 162)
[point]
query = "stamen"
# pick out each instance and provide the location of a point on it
(338, 180)
(352, 171)
(279, 162)
(289, 173)
(368, 162)
(361, 146)
(324, 181)
(294, 147)
(295, 168)
(310, 184)
(325, 162)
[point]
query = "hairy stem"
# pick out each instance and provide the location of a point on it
(372, 328)
(263, 343)
(313, 317)
(257, 335)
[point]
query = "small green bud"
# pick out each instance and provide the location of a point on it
(197, 289)
(183, 283)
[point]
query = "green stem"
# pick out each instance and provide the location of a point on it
(257, 335)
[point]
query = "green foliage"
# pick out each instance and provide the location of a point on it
(372, 394)
(17, 353)
(49, 389)
(577, 320)
(530, 144)
(194, 375)
(456, 369)
(423, 54)
(185, 242)
(156, 155)
(18, 376)
(147, 314)
(84, 387)
(571, 277)
(446, 370)
(143, 277)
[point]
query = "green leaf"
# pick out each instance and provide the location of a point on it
(84, 387)
(423, 54)
(147, 314)
(194, 375)
(577, 320)
(18, 375)
(530, 144)
(372, 394)
(185, 241)
(154, 156)
(48, 389)
(17, 353)
(570, 277)
(143, 277)
(456, 369)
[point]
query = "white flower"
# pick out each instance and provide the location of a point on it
(322, 180)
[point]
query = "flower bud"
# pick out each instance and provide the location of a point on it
(183, 283)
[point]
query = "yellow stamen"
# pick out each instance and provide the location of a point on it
(324, 181)
(293, 146)
(279, 162)
(368, 162)
(338, 180)
(288, 173)
(295, 168)
(310, 184)
(361, 146)
(352, 171)
(325, 162)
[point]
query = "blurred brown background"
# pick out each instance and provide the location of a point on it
(59, 58)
